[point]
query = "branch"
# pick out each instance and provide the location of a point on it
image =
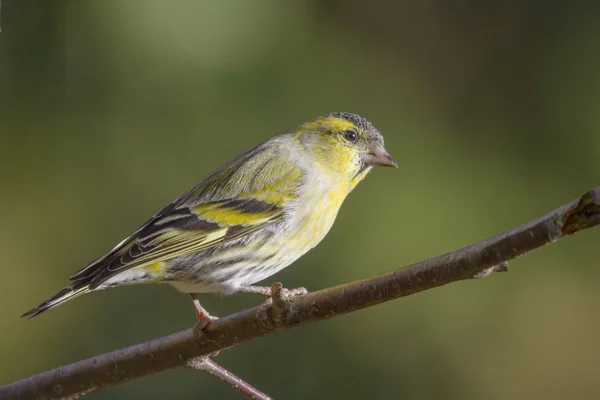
(287, 313)
(212, 368)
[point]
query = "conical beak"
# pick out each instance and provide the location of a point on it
(378, 156)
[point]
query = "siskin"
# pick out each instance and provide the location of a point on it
(247, 220)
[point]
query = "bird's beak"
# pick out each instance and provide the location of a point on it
(378, 156)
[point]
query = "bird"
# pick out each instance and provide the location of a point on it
(247, 220)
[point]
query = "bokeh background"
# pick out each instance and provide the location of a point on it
(110, 109)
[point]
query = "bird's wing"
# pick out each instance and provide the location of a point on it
(239, 198)
(182, 230)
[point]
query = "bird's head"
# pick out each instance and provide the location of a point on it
(344, 145)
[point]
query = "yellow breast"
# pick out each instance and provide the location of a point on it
(315, 216)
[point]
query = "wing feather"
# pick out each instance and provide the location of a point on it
(165, 237)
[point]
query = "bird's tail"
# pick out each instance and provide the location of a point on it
(64, 295)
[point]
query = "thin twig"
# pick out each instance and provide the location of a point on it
(212, 368)
(175, 350)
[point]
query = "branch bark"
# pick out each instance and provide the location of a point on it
(286, 313)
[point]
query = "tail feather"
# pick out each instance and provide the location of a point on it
(64, 295)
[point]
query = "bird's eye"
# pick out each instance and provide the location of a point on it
(350, 135)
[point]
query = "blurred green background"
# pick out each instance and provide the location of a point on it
(112, 108)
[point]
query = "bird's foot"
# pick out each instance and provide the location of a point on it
(273, 312)
(204, 318)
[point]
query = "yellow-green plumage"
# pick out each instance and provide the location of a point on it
(248, 219)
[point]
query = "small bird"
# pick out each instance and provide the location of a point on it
(247, 220)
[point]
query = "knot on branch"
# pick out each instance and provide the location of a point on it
(502, 267)
(584, 215)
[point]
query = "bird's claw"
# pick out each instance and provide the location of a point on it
(279, 291)
(204, 319)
